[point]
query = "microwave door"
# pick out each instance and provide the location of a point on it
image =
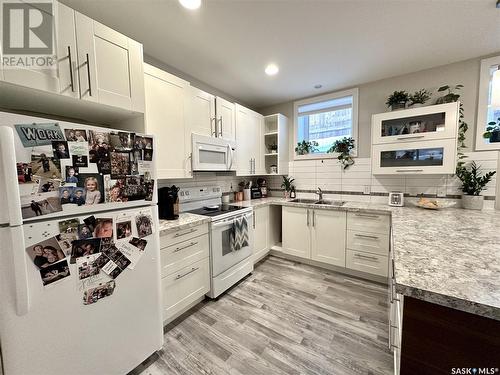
(210, 157)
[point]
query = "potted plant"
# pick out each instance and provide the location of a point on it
(304, 148)
(287, 185)
(397, 100)
(273, 148)
(419, 98)
(343, 147)
(493, 131)
(451, 96)
(472, 185)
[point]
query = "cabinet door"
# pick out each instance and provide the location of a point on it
(261, 229)
(244, 140)
(328, 236)
(67, 52)
(296, 231)
(200, 112)
(110, 66)
(165, 97)
(36, 78)
(259, 148)
(225, 119)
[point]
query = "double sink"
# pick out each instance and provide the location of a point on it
(315, 201)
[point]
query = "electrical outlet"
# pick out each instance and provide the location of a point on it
(441, 192)
(367, 189)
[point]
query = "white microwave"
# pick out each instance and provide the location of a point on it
(212, 154)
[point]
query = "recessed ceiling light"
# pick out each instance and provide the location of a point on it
(318, 86)
(190, 4)
(272, 69)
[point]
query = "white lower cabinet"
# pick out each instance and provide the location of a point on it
(185, 269)
(367, 262)
(328, 237)
(261, 233)
(315, 234)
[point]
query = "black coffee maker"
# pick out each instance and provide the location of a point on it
(168, 203)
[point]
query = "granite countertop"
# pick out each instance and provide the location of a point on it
(450, 257)
(185, 220)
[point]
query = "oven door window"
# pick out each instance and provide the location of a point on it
(226, 240)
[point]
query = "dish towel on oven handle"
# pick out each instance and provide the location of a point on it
(239, 238)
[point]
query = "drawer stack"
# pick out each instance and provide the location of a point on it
(185, 269)
(367, 247)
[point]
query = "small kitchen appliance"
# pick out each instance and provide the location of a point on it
(168, 203)
(396, 199)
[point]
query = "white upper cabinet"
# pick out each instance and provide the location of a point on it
(416, 141)
(200, 113)
(67, 54)
(225, 111)
(36, 78)
(249, 141)
(418, 124)
(165, 118)
(110, 66)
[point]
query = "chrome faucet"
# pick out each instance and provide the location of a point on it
(320, 194)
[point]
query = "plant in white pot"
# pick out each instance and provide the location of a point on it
(472, 185)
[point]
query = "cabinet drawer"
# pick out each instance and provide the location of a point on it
(369, 242)
(366, 262)
(182, 288)
(365, 222)
(182, 235)
(180, 255)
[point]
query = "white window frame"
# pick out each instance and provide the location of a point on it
(335, 95)
(482, 104)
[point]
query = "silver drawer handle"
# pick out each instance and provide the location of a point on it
(183, 234)
(185, 247)
(187, 273)
(366, 236)
(411, 137)
(368, 215)
(365, 256)
(409, 170)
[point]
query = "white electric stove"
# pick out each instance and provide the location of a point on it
(227, 267)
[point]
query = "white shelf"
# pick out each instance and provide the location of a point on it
(271, 133)
(271, 154)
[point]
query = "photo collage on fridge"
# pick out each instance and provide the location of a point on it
(82, 167)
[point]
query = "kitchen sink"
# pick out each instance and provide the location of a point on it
(304, 200)
(331, 203)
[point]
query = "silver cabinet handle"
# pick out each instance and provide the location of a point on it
(393, 271)
(72, 82)
(253, 218)
(187, 273)
(307, 217)
(368, 215)
(357, 255)
(365, 236)
(88, 75)
(408, 170)
(214, 132)
(314, 217)
(183, 234)
(185, 247)
(411, 137)
(220, 121)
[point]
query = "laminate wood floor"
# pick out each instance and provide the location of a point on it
(285, 318)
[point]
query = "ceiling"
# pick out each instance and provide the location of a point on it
(335, 43)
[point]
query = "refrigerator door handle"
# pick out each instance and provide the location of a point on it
(10, 183)
(20, 270)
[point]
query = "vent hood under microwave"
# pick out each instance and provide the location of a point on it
(213, 154)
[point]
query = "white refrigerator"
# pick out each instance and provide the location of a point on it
(52, 322)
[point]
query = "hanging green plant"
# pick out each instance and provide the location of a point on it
(343, 147)
(304, 148)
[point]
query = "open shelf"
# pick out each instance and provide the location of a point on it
(272, 154)
(270, 133)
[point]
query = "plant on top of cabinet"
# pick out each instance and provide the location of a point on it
(397, 100)
(304, 148)
(287, 185)
(493, 131)
(419, 98)
(451, 96)
(472, 185)
(343, 147)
